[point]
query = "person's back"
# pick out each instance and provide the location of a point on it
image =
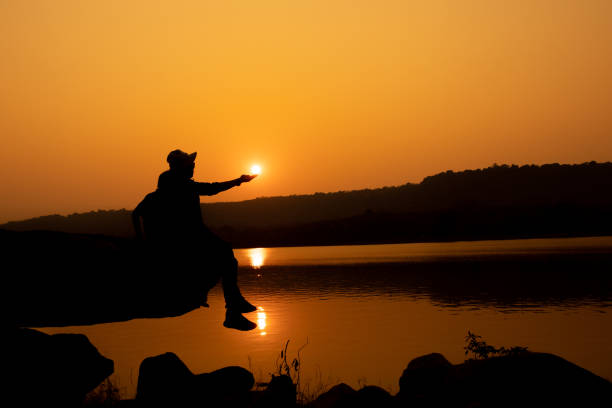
(148, 209)
(179, 204)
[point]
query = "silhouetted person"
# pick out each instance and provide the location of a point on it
(173, 225)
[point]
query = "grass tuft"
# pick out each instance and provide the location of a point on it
(105, 395)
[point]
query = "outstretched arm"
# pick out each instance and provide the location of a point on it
(215, 188)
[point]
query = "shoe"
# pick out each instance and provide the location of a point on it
(234, 320)
(241, 305)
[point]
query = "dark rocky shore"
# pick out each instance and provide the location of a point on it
(61, 279)
(60, 370)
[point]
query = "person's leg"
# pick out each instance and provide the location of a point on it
(235, 303)
(207, 279)
(229, 278)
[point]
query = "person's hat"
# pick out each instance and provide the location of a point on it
(179, 157)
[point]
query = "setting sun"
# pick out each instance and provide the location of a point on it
(256, 169)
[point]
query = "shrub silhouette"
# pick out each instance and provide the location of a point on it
(481, 350)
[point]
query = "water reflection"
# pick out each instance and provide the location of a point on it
(257, 256)
(261, 321)
(533, 282)
(423, 252)
(398, 328)
(412, 307)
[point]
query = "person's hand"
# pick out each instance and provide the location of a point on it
(245, 178)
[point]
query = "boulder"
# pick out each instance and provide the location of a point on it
(529, 379)
(372, 396)
(343, 396)
(336, 396)
(226, 380)
(227, 387)
(425, 375)
(525, 379)
(55, 369)
(280, 393)
(165, 380)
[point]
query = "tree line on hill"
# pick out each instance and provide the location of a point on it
(497, 202)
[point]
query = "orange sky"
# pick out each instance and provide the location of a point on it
(325, 95)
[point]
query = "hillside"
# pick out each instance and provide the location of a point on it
(496, 202)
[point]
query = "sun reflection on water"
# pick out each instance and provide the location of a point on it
(261, 320)
(257, 257)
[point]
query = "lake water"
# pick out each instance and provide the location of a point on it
(363, 312)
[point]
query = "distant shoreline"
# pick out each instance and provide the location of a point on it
(497, 203)
(518, 238)
(355, 243)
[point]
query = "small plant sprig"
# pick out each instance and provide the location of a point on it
(292, 370)
(481, 350)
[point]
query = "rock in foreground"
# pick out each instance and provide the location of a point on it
(523, 380)
(165, 380)
(110, 279)
(57, 370)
